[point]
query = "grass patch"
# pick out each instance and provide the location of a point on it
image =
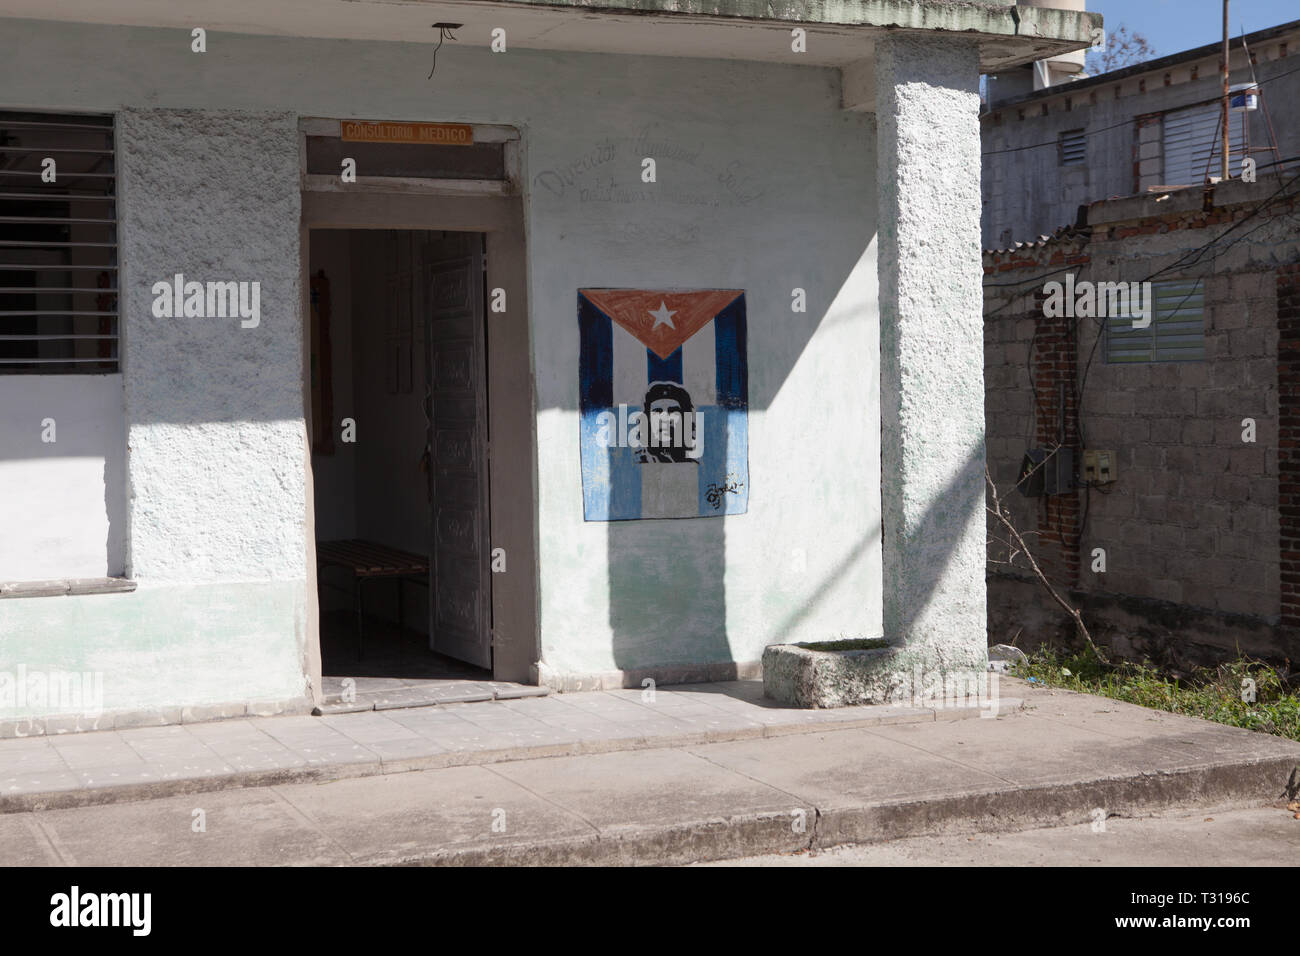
(861, 644)
(1212, 693)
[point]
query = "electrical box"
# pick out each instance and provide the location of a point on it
(1099, 467)
(1045, 472)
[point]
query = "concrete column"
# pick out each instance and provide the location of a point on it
(931, 350)
(214, 409)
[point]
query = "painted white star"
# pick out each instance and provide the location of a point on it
(664, 316)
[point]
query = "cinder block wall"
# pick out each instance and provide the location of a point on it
(1192, 523)
(1193, 516)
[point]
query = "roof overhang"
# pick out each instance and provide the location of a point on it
(840, 32)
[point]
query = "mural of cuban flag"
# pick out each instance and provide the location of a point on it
(645, 354)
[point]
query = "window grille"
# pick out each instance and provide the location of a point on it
(58, 244)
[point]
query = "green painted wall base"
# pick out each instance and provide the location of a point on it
(209, 648)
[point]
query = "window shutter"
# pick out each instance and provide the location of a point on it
(1074, 150)
(1176, 332)
(1191, 138)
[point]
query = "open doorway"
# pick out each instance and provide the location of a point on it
(398, 394)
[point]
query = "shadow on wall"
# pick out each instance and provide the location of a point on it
(667, 591)
(62, 477)
(935, 521)
(668, 575)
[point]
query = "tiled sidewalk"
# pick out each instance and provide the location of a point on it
(391, 693)
(146, 762)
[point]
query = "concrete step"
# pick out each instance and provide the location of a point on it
(397, 695)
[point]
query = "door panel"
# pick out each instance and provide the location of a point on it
(460, 626)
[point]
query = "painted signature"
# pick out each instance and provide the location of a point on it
(731, 485)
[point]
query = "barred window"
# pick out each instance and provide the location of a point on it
(58, 244)
(1176, 332)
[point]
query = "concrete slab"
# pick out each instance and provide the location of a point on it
(318, 744)
(460, 693)
(426, 721)
(610, 790)
(845, 768)
(372, 727)
(242, 828)
(397, 817)
(36, 789)
(472, 740)
(1026, 751)
(1257, 836)
(1197, 741)
(23, 844)
(529, 705)
(98, 749)
(395, 754)
(29, 755)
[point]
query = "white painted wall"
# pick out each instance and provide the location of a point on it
(764, 184)
(62, 503)
(215, 420)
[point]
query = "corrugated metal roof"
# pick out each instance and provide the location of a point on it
(1060, 235)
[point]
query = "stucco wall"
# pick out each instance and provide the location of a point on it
(214, 409)
(763, 184)
(933, 418)
(214, 432)
(62, 502)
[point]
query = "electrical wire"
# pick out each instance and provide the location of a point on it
(443, 34)
(1094, 132)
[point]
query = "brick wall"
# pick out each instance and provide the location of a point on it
(1288, 374)
(1030, 393)
(1055, 371)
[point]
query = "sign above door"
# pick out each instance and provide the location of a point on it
(429, 134)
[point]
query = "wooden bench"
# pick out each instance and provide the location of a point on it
(366, 560)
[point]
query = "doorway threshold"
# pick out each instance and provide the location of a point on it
(394, 693)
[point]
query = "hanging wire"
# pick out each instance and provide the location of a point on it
(444, 33)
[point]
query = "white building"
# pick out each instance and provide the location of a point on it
(793, 197)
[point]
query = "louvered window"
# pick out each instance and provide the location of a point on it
(1176, 332)
(58, 244)
(1074, 150)
(1192, 140)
